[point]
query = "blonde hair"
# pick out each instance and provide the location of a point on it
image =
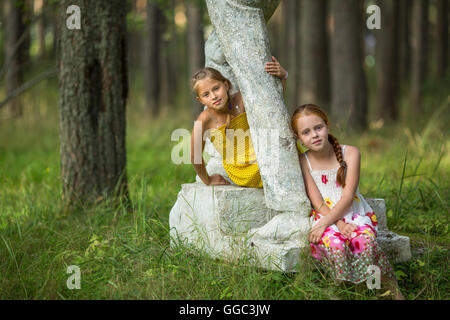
(312, 109)
(212, 74)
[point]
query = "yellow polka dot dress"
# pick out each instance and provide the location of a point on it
(235, 145)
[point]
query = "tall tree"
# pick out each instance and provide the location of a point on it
(134, 37)
(13, 51)
(442, 38)
(314, 66)
(419, 27)
(26, 15)
(348, 81)
(170, 59)
(151, 56)
(93, 93)
(196, 44)
(41, 28)
(290, 12)
(404, 35)
(387, 60)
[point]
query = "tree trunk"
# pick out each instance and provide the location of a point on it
(26, 12)
(291, 54)
(418, 49)
(152, 57)
(166, 88)
(41, 26)
(11, 34)
(196, 45)
(242, 32)
(314, 66)
(387, 61)
(93, 92)
(442, 38)
(349, 89)
(405, 46)
(133, 39)
(55, 27)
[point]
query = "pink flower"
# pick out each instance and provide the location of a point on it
(324, 179)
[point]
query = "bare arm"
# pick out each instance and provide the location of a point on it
(197, 146)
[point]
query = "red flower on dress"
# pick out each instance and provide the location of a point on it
(314, 213)
(324, 179)
(373, 218)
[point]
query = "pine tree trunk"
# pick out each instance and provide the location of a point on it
(26, 13)
(11, 34)
(442, 38)
(152, 58)
(165, 86)
(387, 61)
(54, 20)
(314, 66)
(405, 46)
(93, 92)
(349, 89)
(291, 55)
(41, 26)
(196, 45)
(418, 40)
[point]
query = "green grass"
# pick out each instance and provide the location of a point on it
(125, 254)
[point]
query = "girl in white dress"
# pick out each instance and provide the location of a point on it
(344, 226)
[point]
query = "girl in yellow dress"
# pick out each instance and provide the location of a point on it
(224, 119)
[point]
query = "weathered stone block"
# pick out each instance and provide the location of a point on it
(232, 221)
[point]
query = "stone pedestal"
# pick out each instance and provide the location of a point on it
(233, 222)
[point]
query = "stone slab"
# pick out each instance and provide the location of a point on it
(232, 222)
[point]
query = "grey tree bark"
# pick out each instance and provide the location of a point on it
(196, 45)
(348, 82)
(314, 55)
(387, 61)
(93, 93)
(242, 39)
(418, 40)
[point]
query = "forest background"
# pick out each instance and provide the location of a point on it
(399, 83)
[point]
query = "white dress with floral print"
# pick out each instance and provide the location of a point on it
(347, 258)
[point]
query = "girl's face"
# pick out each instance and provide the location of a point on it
(213, 93)
(312, 132)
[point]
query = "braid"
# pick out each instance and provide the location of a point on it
(342, 172)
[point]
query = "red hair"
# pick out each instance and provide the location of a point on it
(312, 109)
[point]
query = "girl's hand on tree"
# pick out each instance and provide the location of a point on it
(346, 228)
(275, 69)
(317, 232)
(217, 180)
